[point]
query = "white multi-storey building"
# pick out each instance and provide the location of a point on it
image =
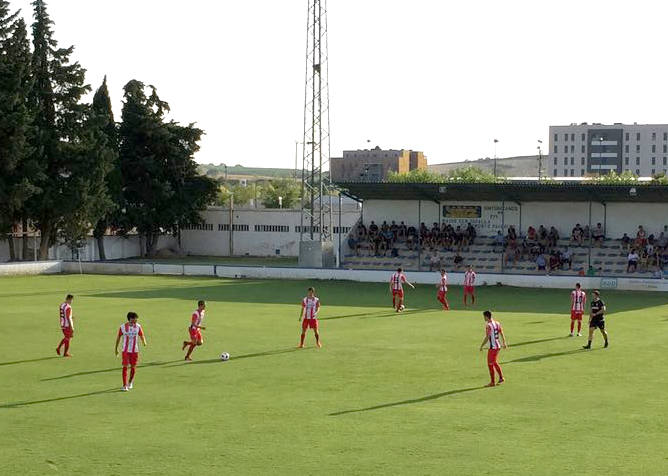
(585, 149)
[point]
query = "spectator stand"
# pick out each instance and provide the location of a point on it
(516, 205)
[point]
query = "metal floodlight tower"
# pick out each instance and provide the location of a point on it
(316, 216)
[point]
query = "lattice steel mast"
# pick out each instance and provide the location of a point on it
(316, 216)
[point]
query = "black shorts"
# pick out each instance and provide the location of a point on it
(597, 321)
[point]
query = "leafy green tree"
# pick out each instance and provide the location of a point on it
(287, 189)
(469, 174)
(242, 195)
(613, 178)
(162, 189)
(15, 82)
(65, 142)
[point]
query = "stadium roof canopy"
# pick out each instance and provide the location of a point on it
(509, 191)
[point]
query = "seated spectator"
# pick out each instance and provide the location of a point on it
(373, 229)
(512, 254)
(512, 235)
(353, 244)
(411, 237)
(586, 233)
(554, 262)
(649, 248)
(632, 259)
(662, 241)
(641, 237)
(541, 263)
(597, 235)
(458, 260)
(387, 240)
(362, 233)
(531, 235)
(552, 237)
(403, 231)
(435, 261)
(566, 257)
(471, 234)
(577, 235)
(626, 242)
(394, 228)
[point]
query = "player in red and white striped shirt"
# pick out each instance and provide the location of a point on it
(131, 332)
(493, 330)
(66, 325)
(442, 290)
(309, 314)
(578, 301)
(195, 329)
(469, 283)
(397, 289)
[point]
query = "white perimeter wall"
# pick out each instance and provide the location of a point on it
(529, 281)
(216, 242)
(620, 217)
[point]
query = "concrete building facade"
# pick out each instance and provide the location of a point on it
(374, 165)
(521, 166)
(590, 149)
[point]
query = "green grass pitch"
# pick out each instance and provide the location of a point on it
(387, 394)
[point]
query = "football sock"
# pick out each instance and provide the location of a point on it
(317, 337)
(498, 370)
(579, 326)
(190, 350)
(572, 325)
(491, 372)
(301, 340)
(394, 302)
(447, 306)
(125, 376)
(67, 345)
(132, 374)
(60, 345)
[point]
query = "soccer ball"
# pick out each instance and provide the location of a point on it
(402, 307)
(224, 356)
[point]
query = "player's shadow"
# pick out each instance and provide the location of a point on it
(238, 357)
(101, 371)
(537, 357)
(56, 399)
(27, 361)
(407, 402)
(537, 341)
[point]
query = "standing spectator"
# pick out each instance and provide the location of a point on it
(552, 237)
(598, 236)
(626, 242)
(498, 241)
(403, 231)
(641, 237)
(373, 229)
(554, 261)
(411, 237)
(531, 234)
(394, 228)
(540, 262)
(577, 235)
(632, 261)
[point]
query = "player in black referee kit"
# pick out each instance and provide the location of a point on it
(597, 319)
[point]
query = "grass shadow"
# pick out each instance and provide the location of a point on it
(56, 399)
(101, 371)
(537, 357)
(407, 402)
(28, 361)
(537, 341)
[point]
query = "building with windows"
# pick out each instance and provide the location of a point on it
(589, 149)
(374, 165)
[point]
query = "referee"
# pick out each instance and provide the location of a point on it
(597, 319)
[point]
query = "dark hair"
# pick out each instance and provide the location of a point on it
(577, 285)
(132, 315)
(399, 270)
(597, 292)
(487, 314)
(201, 303)
(311, 289)
(68, 297)
(442, 270)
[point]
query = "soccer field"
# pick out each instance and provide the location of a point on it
(387, 394)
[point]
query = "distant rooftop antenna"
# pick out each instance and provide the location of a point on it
(315, 247)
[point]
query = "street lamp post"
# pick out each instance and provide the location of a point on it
(600, 154)
(540, 160)
(495, 142)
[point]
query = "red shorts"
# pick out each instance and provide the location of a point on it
(468, 290)
(398, 292)
(441, 295)
(310, 323)
(195, 334)
(130, 358)
(576, 315)
(67, 332)
(492, 355)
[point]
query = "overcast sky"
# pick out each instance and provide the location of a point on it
(442, 77)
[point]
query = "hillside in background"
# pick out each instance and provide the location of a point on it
(239, 171)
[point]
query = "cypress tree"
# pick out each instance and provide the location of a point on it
(15, 83)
